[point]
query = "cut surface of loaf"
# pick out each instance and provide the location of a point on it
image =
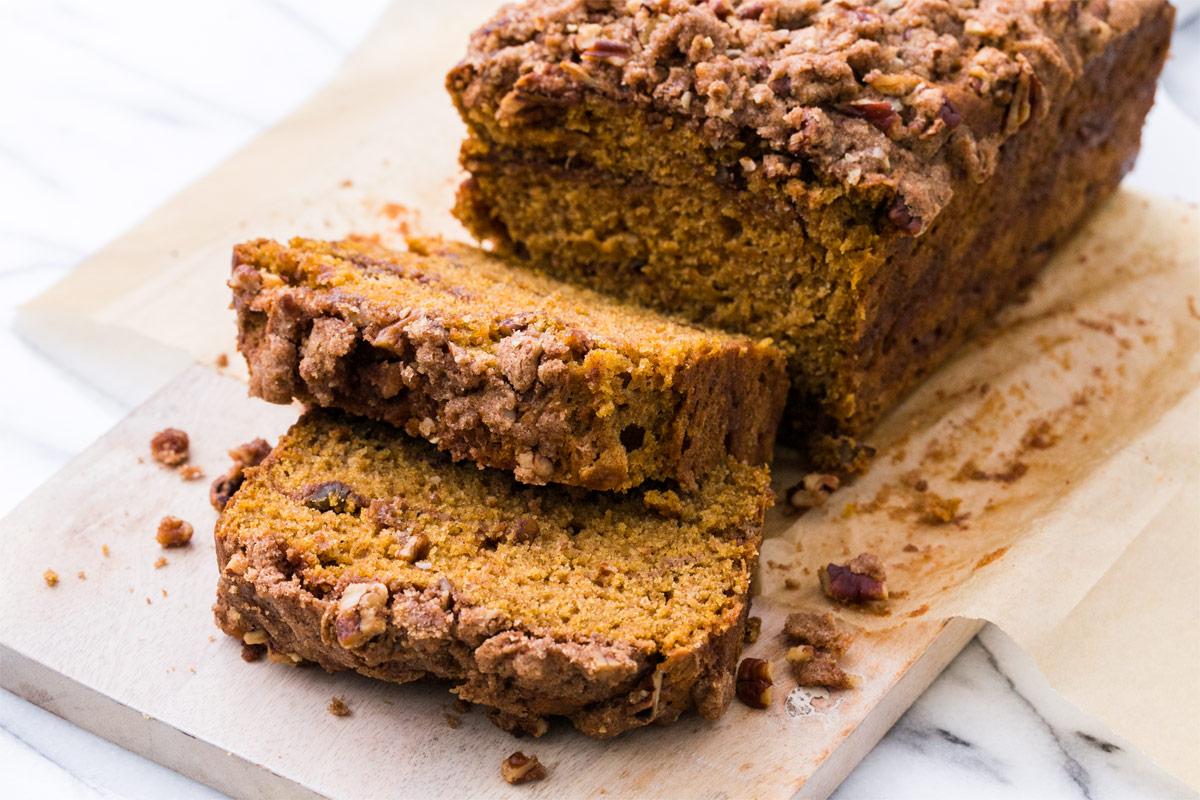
(357, 547)
(860, 181)
(501, 366)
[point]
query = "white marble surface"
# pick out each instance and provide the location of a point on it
(110, 108)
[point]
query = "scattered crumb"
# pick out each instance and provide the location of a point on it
(850, 510)
(170, 447)
(222, 360)
(791, 583)
(461, 706)
(164, 591)
(451, 720)
(191, 472)
(148, 601)
(520, 768)
(346, 184)
(51, 577)
(338, 707)
(161, 562)
(174, 532)
(989, 558)
(818, 630)
(81, 576)
(104, 549)
(937, 510)
(753, 629)
(820, 642)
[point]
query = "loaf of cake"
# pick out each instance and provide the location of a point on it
(358, 547)
(501, 366)
(861, 181)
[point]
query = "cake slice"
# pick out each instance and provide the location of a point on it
(501, 366)
(860, 181)
(358, 547)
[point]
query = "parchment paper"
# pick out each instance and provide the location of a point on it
(1069, 431)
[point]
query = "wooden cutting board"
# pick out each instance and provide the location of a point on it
(129, 651)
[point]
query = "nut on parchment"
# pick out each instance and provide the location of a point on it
(520, 768)
(361, 614)
(861, 582)
(754, 681)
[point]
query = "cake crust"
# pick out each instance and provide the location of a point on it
(502, 366)
(616, 611)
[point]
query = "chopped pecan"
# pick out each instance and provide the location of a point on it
(606, 50)
(645, 696)
(903, 219)
(361, 614)
(812, 491)
(333, 496)
(170, 447)
(860, 582)
(173, 532)
(413, 548)
(753, 683)
(949, 114)
(520, 768)
(877, 112)
(523, 530)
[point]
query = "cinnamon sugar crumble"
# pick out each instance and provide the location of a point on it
(51, 577)
(174, 532)
(170, 447)
(338, 707)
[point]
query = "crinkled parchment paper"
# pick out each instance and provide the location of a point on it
(1065, 438)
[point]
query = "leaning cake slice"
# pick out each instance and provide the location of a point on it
(357, 547)
(498, 365)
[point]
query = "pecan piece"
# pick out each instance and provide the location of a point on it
(860, 582)
(753, 683)
(812, 491)
(903, 219)
(520, 768)
(607, 50)
(170, 447)
(173, 532)
(333, 496)
(877, 112)
(949, 114)
(361, 614)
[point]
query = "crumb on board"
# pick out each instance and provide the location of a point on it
(161, 562)
(82, 575)
(222, 360)
(191, 472)
(337, 707)
(520, 768)
(170, 446)
(51, 577)
(174, 532)
(451, 720)
(753, 629)
(104, 549)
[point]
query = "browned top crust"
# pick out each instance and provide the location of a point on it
(892, 97)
